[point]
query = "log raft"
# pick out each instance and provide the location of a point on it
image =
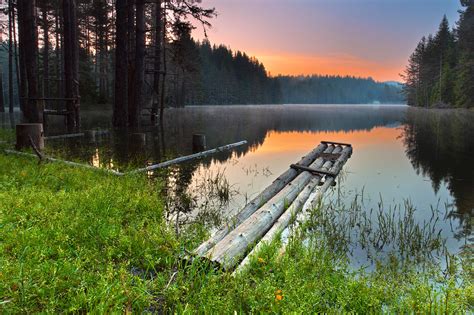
(267, 215)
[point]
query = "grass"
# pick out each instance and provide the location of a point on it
(75, 240)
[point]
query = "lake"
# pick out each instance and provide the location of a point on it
(404, 158)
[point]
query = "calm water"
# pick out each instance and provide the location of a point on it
(400, 154)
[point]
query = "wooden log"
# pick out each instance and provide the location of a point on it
(26, 131)
(188, 157)
(66, 162)
(199, 143)
(259, 200)
(231, 248)
(318, 193)
(285, 219)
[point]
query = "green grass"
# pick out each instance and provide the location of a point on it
(77, 240)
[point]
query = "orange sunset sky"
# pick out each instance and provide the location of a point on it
(341, 37)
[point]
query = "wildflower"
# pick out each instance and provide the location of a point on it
(278, 295)
(261, 260)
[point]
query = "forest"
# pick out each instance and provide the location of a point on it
(440, 71)
(139, 58)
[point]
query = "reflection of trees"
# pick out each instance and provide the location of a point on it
(440, 145)
(223, 125)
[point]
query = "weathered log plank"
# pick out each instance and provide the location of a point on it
(230, 249)
(318, 192)
(285, 218)
(259, 200)
(188, 157)
(303, 200)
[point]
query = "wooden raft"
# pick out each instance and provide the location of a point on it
(293, 193)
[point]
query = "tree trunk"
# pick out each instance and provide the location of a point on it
(27, 133)
(17, 67)
(29, 45)
(59, 77)
(10, 55)
(163, 81)
(157, 57)
(134, 112)
(45, 51)
(23, 86)
(2, 99)
(120, 118)
(131, 56)
(71, 63)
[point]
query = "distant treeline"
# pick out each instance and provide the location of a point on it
(337, 90)
(221, 76)
(441, 69)
(205, 74)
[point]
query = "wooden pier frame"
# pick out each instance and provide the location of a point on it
(277, 185)
(230, 244)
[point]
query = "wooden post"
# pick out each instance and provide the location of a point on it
(199, 142)
(26, 131)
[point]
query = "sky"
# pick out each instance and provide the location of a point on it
(339, 37)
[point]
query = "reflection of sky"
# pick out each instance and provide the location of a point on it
(357, 37)
(378, 165)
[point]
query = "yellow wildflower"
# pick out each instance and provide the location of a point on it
(261, 260)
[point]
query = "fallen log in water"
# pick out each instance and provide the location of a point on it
(188, 157)
(304, 199)
(258, 201)
(231, 248)
(149, 168)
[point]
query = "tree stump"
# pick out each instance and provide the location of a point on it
(26, 131)
(199, 142)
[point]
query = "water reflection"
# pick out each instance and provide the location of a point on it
(440, 145)
(400, 154)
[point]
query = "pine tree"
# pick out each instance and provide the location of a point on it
(465, 69)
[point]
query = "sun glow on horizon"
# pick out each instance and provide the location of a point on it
(338, 65)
